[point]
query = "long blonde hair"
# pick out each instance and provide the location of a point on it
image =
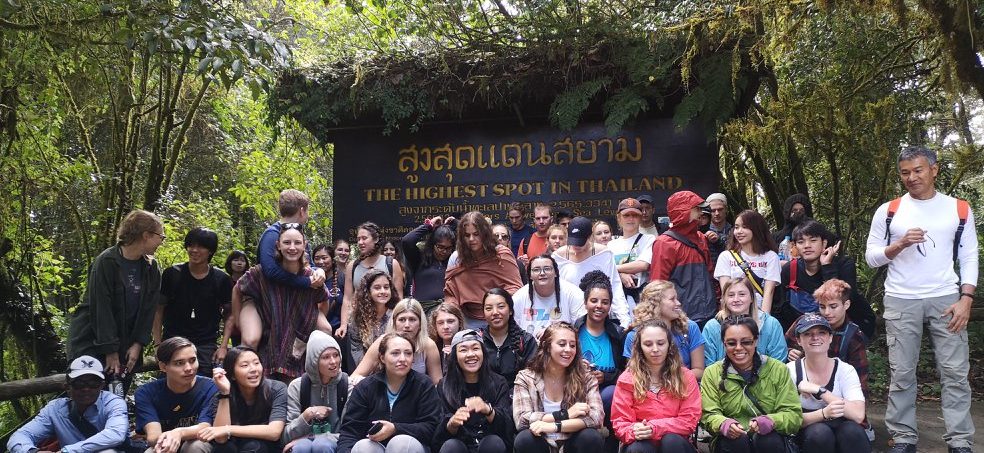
(413, 306)
(650, 303)
(669, 377)
(753, 311)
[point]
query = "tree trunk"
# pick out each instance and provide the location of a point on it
(954, 26)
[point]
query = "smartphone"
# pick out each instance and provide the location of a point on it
(375, 428)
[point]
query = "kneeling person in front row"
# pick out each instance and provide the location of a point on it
(88, 420)
(173, 409)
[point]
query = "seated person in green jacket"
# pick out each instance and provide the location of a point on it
(749, 402)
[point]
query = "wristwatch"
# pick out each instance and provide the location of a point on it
(820, 392)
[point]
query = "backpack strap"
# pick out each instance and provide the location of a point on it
(683, 240)
(389, 265)
(305, 396)
(849, 333)
(963, 211)
(342, 392)
(792, 274)
(893, 207)
(756, 283)
(833, 377)
(799, 372)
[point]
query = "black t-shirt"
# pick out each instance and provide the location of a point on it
(193, 307)
(132, 286)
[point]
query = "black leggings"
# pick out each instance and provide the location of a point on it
(769, 443)
(489, 444)
(669, 443)
(243, 445)
(587, 440)
(840, 435)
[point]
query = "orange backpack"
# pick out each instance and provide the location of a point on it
(963, 211)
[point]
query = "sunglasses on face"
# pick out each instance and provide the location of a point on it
(501, 236)
(87, 384)
(731, 344)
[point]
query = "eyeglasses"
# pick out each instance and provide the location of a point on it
(87, 384)
(164, 238)
(921, 249)
(731, 344)
(443, 248)
(292, 226)
(541, 270)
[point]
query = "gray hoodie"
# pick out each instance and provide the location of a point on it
(321, 395)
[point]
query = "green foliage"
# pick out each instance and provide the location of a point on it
(566, 110)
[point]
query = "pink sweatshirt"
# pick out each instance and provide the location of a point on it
(664, 413)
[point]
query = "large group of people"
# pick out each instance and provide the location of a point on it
(469, 337)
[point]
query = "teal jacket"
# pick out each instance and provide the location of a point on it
(99, 324)
(774, 391)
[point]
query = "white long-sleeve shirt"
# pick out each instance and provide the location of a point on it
(912, 275)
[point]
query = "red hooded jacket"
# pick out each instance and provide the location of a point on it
(689, 267)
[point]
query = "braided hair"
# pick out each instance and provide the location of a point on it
(556, 271)
(514, 335)
(752, 326)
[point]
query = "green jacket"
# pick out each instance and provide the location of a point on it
(774, 391)
(98, 327)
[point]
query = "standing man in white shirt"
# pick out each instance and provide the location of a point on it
(919, 237)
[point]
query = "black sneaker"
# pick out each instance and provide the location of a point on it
(961, 450)
(902, 447)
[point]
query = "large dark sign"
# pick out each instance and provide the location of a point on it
(398, 181)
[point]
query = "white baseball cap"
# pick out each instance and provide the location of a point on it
(85, 365)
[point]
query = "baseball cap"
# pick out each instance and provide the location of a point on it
(579, 231)
(717, 196)
(644, 198)
(810, 320)
(85, 365)
(629, 205)
(463, 336)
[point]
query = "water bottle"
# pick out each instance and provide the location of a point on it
(116, 385)
(784, 248)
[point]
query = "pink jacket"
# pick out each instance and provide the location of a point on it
(664, 413)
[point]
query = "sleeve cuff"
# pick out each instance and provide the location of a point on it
(727, 425)
(765, 424)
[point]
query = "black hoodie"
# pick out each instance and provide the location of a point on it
(791, 223)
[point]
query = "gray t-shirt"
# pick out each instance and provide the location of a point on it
(245, 415)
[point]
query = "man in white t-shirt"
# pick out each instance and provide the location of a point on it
(922, 287)
(633, 250)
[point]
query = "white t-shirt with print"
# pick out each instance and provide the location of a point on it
(765, 266)
(534, 316)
